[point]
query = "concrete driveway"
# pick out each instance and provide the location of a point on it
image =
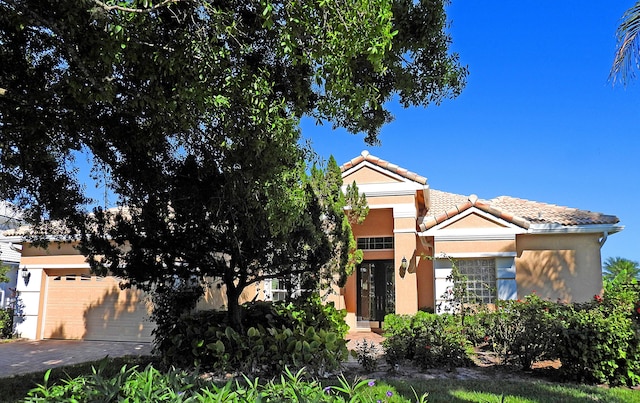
(22, 357)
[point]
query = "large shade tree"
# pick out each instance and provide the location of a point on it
(188, 112)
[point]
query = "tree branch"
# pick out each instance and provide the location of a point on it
(107, 7)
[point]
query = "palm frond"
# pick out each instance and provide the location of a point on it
(627, 57)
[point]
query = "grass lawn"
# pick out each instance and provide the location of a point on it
(440, 390)
(459, 391)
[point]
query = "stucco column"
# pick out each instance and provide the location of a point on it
(405, 242)
(28, 300)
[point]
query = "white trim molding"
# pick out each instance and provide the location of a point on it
(386, 189)
(404, 210)
(472, 255)
(405, 231)
(57, 266)
(574, 229)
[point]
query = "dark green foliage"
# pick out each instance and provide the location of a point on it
(337, 223)
(188, 113)
(301, 334)
(4, 269)
(600, 341)
(6, 323)
(524, 331)
(597, 342)
(428, 340)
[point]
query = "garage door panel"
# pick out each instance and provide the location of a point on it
(81, 306)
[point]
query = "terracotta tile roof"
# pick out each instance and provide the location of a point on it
(520, 212)
(365, 156)
(543, 213)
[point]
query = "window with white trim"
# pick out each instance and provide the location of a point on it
(374, 243)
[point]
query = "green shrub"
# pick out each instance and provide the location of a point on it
(366, 353)
(429, 340)
(524, 331)
(600, 343)
(306, 333)
(6, 323)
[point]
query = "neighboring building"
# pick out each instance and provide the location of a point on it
(507, 247)
(9, 254)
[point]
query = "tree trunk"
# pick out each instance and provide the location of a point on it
(234, 310)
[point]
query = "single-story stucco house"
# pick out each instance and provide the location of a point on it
(507, 248)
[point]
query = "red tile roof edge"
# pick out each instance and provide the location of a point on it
(365, 156)
(473, 201)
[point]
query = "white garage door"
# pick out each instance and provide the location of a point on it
(79, 305)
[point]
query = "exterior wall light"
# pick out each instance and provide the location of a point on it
(403, 267)
(25, 275)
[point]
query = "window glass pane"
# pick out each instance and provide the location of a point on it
(375, 243)
(481, 279)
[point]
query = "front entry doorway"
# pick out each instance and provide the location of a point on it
(376, 290)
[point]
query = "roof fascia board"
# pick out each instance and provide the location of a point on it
(466, 255)
(475, 234)
(405, 231)
(49, 238)
(387, 189)
(404, 210)
(574, 229)
(12, 239)
(56, 266)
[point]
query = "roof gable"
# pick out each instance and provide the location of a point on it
(474, 219)
(366, 173)
(381, 166)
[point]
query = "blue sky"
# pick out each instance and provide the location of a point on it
(538, 119)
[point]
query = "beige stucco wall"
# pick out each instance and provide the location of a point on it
(53, 249)
(451, 247)
(379, 222)
(407, 286)
(373, 201)
(563, 267)
(216, 298)
(367, 175)
(424, 274)
(474, 221)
